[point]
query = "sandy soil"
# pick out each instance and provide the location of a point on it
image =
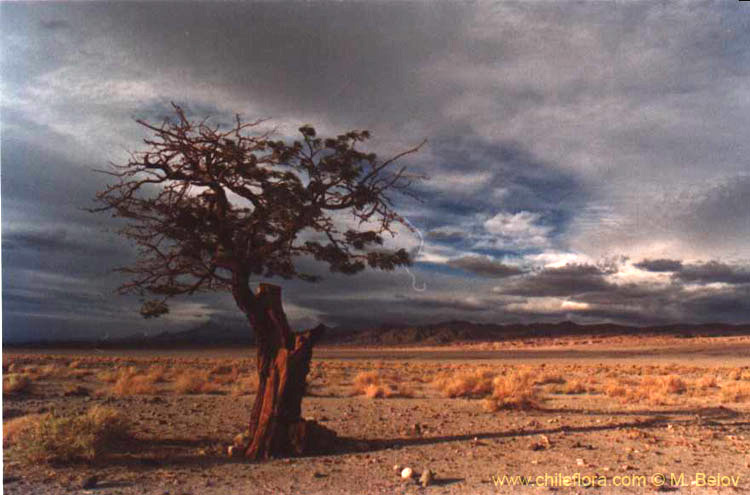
(589, 437)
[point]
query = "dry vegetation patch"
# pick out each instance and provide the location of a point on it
(194, 381)
(374, 385)
(60, 439)
(474, 383)
(736, 392)
(516, 390)
(16, 384)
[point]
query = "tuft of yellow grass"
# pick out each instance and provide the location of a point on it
(515, 390)
(130, 382)
(475, 383)
(651, 389)
(61, 439)
(194, 381)
(736, 392)
(373, 385)
(16, 427)
(16, 384)
(706, 381)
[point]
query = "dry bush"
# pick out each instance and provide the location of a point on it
(108, 376)
(52, 370)
(706, 382)
(651, 389)
(17, 427)
(513, 391)
(574, 386)
(16, 384)
(224, 375)
(157, 373)
(477, 383)
(373, 385)
(736, 392)
(245, 385)
(550, 377)
(60, 439)
(194, 381)
(130, 382)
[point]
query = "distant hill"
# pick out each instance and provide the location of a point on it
(214, 334)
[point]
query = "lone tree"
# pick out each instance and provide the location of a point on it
(210, 209)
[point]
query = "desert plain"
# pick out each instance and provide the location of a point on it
(645, 414)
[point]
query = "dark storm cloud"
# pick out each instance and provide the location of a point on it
(547, 125)
(713, 271)
(485, 267)
(568, 280)
(659, 265)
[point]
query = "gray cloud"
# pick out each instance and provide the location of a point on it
(580, 131)
(714, 271)
(659, 265)
(568, 280)
(485, 267)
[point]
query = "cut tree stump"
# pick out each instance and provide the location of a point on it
(276, 427)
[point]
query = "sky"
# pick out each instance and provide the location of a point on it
(587, 161)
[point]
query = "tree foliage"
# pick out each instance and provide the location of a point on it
(209, 208)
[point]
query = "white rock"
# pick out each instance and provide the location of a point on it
(407, 473)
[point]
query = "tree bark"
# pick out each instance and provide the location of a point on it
(276, 427)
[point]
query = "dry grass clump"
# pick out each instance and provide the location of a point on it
(225, 375)
(373, 385)
(574, 386)
(515, 390)
(157, 373)
(245, 385)
(706, 382)
(16, 427)
(476, 383)
(651, 389)
(16, 384)
(194, 381)
(59, 439)
(736, 392)
(130, 382)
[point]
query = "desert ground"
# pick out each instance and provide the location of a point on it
(572, 415)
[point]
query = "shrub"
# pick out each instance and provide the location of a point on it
(650, 389)
(475, 383)
(513, 391)
(736, 392)
(195, 382)
(129, 382)
(706, 381)
(16, 384)
(574, 386)
(59, 439)
(373, 385)
(16, 427)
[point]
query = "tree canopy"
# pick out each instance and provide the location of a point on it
(209, 208)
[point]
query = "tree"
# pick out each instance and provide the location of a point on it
(210, 209)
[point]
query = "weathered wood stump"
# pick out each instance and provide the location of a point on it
(276, 427)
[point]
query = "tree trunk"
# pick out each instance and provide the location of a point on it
(276, 427)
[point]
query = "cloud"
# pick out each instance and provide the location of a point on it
(713, 272)
(659, 265)
(518, 229)
(559, 136)
(485, 267)
(568, 280)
